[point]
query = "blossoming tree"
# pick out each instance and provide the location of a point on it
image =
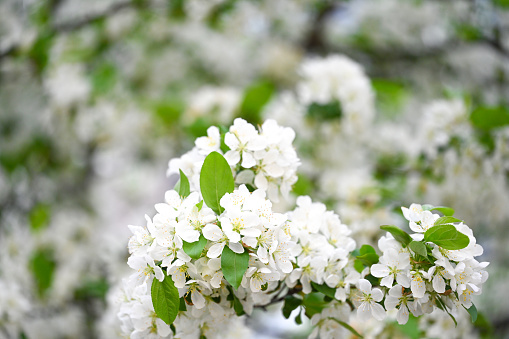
(216, 250)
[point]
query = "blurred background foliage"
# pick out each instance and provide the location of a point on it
(97, 96)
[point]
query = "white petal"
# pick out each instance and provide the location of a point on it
(197, 299)
(379, 271)
(215, 250)
(248, 160)
(402, 315)
(438, 284)
(212, 232)
(236, 247)
(364, 311)
(377, 294)
(378, 311)
(365, 286)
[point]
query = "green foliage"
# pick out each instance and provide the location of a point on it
(234, 265)
(39, 217)
(42, 265)
(446, 236)
(446, 221)
(104, 78)
(93, 289)
(216, 179)
(411, 328)
(195, 249)
(501, 3)
(176, 9)
(473, 312)
(367, 255)
(168, 112)
(255, 98)
(182, 186)
(313, 303)
(418, 247)
(237, 306)
(484, 326)
(165, 298)
(468, 32)
(488, 118)
(182, 305)
(291, 303)
(303, 186)
(398, 234)
(39, 53)
(446, 211)
(390, 95)
(325, 112)
(219, 11)
(323, 288)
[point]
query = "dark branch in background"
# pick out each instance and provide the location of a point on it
(73, 25)
(70, 26)
(313, 42)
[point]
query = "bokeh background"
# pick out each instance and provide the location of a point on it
(97, 96)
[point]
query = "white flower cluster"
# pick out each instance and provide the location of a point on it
(338, 78)
(449, 279)
(246, 224)
(323, 249)
(224, 254)
(264, 159)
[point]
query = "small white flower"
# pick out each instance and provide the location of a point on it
(393, 265)
(366, 301)
(213, 233)
(259, 276)
(396, 298)
(210, 143)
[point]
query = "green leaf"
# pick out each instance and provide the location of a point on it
(195, 249)
(43, 265)
(291, 303)
(390, 96)
(348, 327)
(237, 306)
(184, 188)
(447, 236)
(358, 265)
(165, 298)
(487, 118)
(368, 259)
(473, 312)
(367, 255)
(446, 211)
(92, 289)
(39, 217)
(182, 305)
(398, 234)
(313, 303)
(365, 249)
(199, 205)
(446, 220)
(418, 247)
(324, 112)
(326, 290)
(216, 179)
(303, 186)
(255, 98)
(298, 318)
(234, 266)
